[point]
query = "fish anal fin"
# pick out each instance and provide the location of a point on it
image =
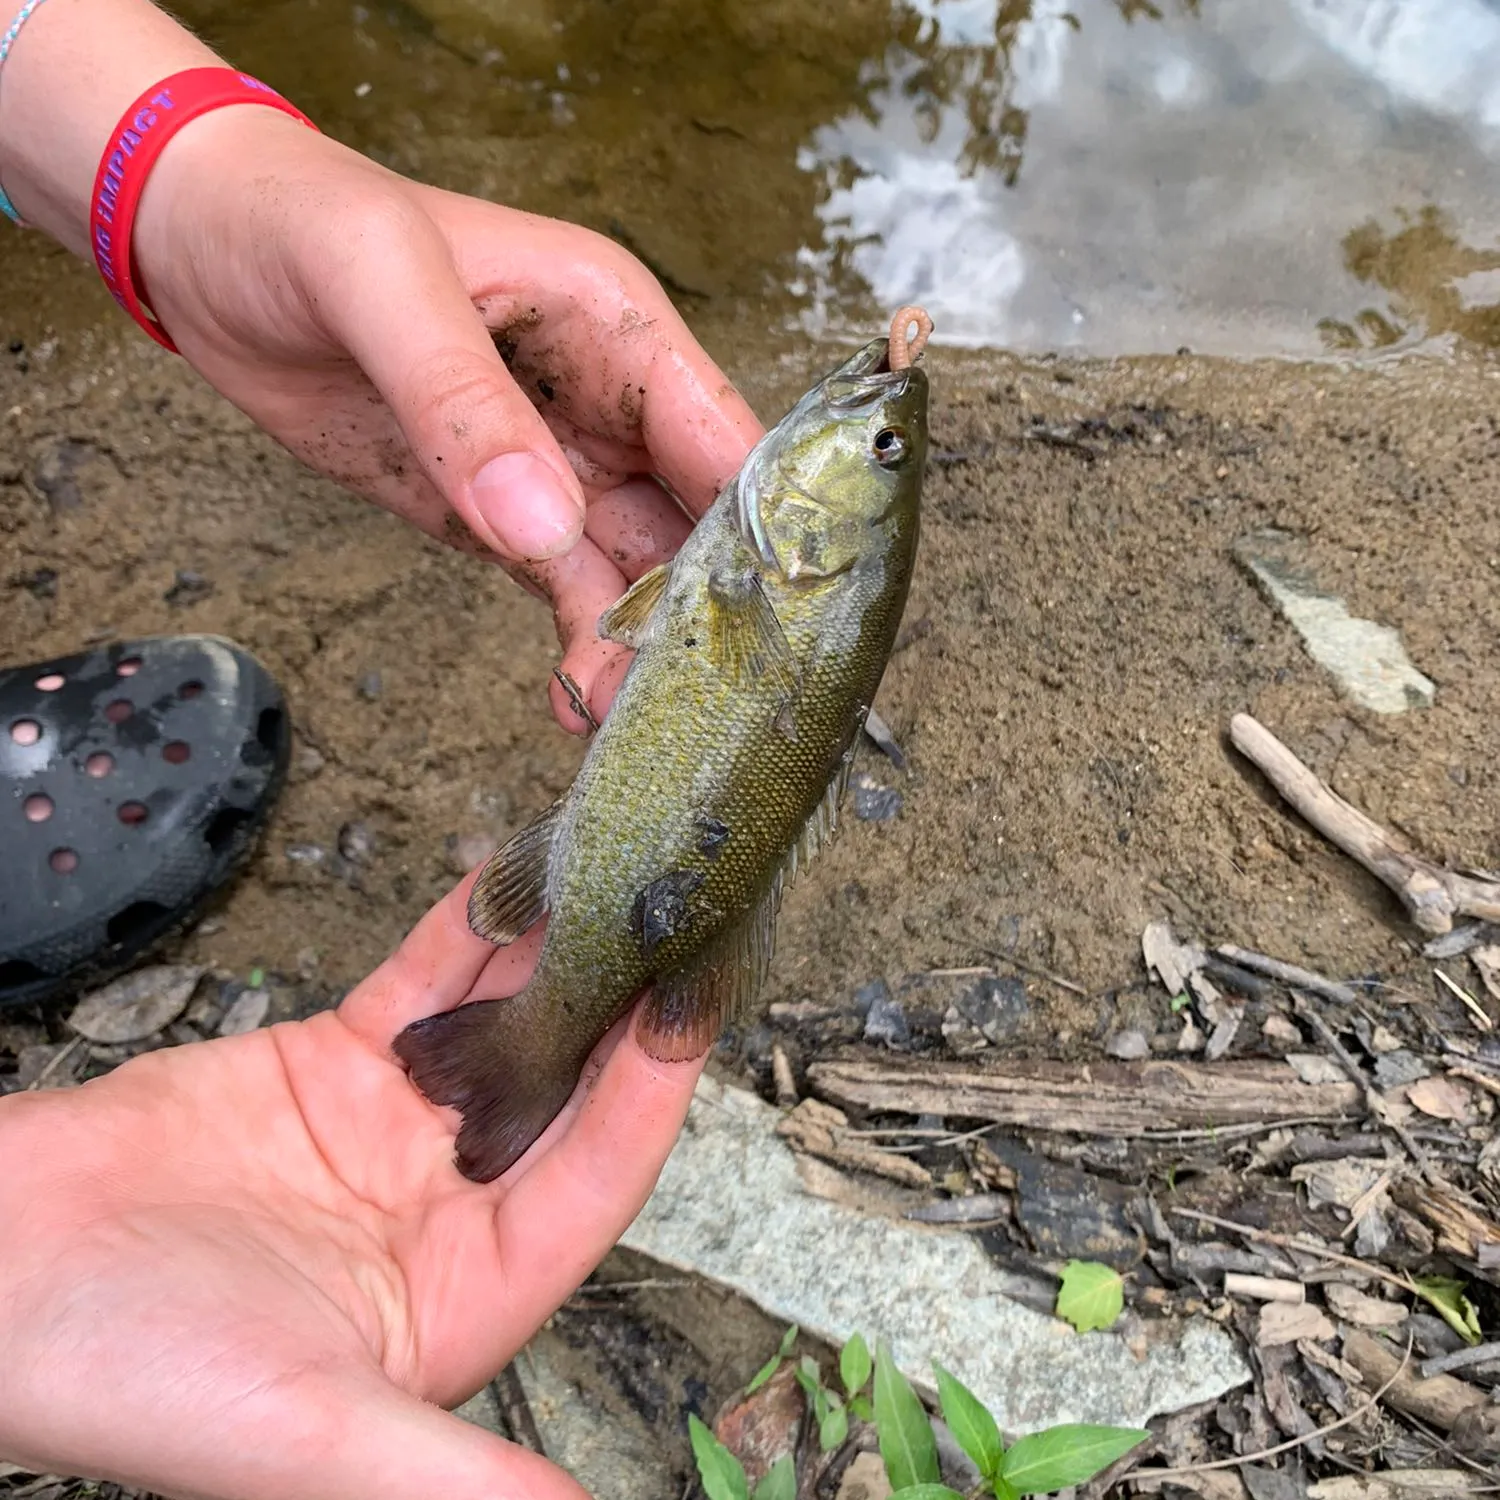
(687, 1010)
(745, 639)
(511, 892)
(477, 1059)
(626, 619)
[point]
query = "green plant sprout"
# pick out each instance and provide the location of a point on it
(1034, 1465)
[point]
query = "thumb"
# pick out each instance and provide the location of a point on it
(359, 1438)
(479, 439)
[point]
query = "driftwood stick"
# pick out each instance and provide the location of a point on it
(1432, 895)
(1292, 974)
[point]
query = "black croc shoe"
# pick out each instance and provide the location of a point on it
(134, 780)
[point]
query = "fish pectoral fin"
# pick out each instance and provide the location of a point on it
(511, 894)
(745, 639)
(687, 1010)
(626, 619)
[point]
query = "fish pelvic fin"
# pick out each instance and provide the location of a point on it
(475, 1060)
(745, 639)
(626, 619)
(687, 1010)
(511, 893)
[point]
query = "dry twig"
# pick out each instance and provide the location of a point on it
(1432, 895)
(1289, 974)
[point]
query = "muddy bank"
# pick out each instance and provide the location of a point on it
(1078, 637)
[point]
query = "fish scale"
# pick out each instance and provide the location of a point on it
(716, 774)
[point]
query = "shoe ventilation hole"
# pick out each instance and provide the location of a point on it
(63, 861)
(120, 710)
(176, 752)
(190, 689)
(129, 667)
(26, 731)
(132, 813)
(49, 682)
(100, 763)
(37, 807)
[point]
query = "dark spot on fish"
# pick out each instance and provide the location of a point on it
(661, 908)
(690, 641)
(714, 835)
(547, 390)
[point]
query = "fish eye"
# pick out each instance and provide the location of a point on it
(890, 447)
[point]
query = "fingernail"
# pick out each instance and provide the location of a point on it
(525, 504)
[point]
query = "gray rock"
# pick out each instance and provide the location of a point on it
(885, 1021)
(136, 1006)
(248, 1013)
(1368, 659)
(1402, 1066)
(1128, 1045)
(356, 841)
(730, 1206)
(370, 686)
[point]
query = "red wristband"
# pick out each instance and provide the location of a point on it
(138, 140)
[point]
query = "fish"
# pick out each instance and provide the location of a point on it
(718, 772)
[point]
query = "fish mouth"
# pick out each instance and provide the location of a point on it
(866, 378)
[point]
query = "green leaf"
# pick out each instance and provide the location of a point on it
(970, 1423)
(1060, 1456)
(855, 1365)
(722, 1475)
(861, 1407)
(1091, 1295)
(927, 1492)
(1447, 1295)
(780, 1482)
(833, 1427)
(773, 1364)
(256, 978)
(907, 1443)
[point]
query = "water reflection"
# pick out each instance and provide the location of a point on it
(1121, 177)
(1108, 176)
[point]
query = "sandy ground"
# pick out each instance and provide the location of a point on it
(1078, 637)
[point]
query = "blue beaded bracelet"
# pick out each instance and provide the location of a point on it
(6, 43)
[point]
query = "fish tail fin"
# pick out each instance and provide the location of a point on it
(475, 1059)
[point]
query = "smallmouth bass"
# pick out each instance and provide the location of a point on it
(718, 771)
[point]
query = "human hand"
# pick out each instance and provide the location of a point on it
(349, 312)
(244, 1268)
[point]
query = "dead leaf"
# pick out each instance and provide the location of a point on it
(138, 1005)
(1224, 1485)
(1277, 1028)
(1342, 1182)
(1287, 1322)
(1356, 1307)
(1313, 1067)
(821, 1130)
(1442, 1098)
(865, 1479)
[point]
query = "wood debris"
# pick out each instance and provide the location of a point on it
(822, 1131)
(1433, 896)
(1111, 1099)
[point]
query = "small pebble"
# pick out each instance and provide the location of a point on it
(886, 1022)
(1128, 1046)
(867, 994)
(875, 803)
(1277, 1028)
(247, 1013)
(356, 842)
(369, 687)
(307, 854)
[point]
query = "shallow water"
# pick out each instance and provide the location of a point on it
(1104, 176)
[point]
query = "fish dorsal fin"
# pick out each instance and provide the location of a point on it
(626, 619)
(823, 823)
(511, 894)
(745, 639)
(687, 1010)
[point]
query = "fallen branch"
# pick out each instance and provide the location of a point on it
(1128, 1099)
(1432, 895)
(1290, 974)
(1441, 1400)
